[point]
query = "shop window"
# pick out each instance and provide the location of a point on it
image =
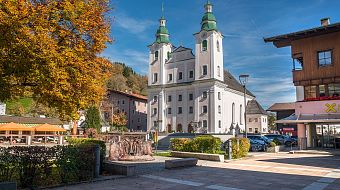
(322, 90)
(334, 90)
(310, 92)
(325, 58)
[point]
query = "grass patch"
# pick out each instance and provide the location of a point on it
(165, 154)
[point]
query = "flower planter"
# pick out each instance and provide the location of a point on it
(276, 149)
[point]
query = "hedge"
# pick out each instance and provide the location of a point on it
(79, 141)
(203, 144)
(240, 150)
(36, 166)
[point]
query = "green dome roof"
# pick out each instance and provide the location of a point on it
(209, 26)
(162, 30)
(208, 17)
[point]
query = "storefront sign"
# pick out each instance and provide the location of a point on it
(332, 108)
(288, 129)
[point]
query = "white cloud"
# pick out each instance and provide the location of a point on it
(133, 25)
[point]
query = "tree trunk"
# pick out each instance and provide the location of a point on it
(75, 128)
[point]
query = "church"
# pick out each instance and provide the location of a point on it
(191, 92)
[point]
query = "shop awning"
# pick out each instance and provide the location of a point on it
(311, 118)
(49, 128)
(15, 127)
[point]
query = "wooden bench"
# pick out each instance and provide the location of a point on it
(185, 162)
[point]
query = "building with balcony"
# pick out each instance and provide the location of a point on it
(316, 76)
(191, 92)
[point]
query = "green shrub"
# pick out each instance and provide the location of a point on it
(203, 144)
(277, 142)
(240, 149)
(272, 144)
(179, 144)
(79, 141)
(36, 166)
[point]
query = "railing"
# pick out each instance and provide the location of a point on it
(41, 139)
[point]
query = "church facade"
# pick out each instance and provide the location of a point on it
(191, 92)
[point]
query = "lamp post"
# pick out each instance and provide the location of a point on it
(243, 80)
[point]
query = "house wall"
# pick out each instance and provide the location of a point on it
(257, 121)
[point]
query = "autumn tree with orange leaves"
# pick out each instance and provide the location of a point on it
(50, 50)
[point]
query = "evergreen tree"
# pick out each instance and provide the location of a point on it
(93, 118)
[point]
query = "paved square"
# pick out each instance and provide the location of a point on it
(261, 172)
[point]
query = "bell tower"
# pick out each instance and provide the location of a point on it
(208, 48)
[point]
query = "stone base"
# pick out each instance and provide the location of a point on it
(185, 162)
(119, 168)
(137, 158)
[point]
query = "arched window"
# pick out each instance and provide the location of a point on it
(204, 45)
(168, 55)
(241, 114)
(219, 109)
(179, 128)
(233, 113)
(156, 55)
(218, 71)
(218, 45)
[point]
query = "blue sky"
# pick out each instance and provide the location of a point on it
(244, 23)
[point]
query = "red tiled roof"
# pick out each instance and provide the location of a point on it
(133, 95)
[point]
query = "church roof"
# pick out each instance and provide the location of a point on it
(253, 107)
(232, 83)
(180, 48)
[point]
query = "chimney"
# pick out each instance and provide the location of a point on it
(325, 21)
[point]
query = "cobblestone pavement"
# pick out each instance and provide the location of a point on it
(261, 172)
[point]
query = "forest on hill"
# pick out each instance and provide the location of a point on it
(122, 78)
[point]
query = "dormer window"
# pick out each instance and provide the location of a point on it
(325, 58)
(156, 55)
(204, 45)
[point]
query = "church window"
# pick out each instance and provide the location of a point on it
(191, 74)
(180, 98)
(241, 114)
(218, 46)
(180, 75)
(219, 124)
(205, 94)
(219, 109)
(204, 45)
(170, 77)
(155, 76)
(205, 123)
(219, 95)
(156, 55)
(205, 70)
(233, 112)
(205, 109)
(218, 71)
(168, 54)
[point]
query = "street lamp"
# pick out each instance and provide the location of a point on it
(243, 80)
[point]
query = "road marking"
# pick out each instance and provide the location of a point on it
(218, 187)
(280, 167)
(324, 181)
(183, 182)
(316, 186)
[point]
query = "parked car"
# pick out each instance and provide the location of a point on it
(259, 137)
(283, 139)
(257, 145)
